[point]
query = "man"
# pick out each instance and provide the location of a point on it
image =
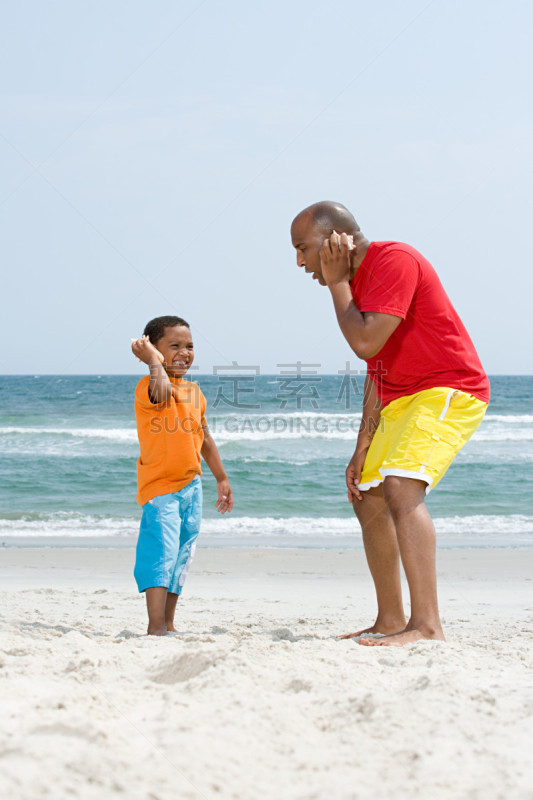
(425, 395)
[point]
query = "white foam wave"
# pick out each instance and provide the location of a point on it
(291, 415)
(283, 426)
(523, 419)
(485, 524)
(485, 434)
(283, 526)
(73, 525)
(68, 524)
(223, 437)
(328, 526)
(115, 434)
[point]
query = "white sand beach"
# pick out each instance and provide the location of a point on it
(257, 698)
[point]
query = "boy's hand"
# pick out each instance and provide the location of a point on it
(225, 496)
(145, 351)
(336, 258)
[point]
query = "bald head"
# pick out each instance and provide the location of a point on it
(326, 217)
(314, 224)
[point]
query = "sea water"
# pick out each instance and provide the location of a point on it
(68, 449)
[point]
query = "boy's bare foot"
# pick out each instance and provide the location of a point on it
(380, 626)
(156, 631)
(404, 637)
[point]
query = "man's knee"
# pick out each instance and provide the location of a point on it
(402, 494)
(372, 503)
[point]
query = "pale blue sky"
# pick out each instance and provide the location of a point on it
(153, 155)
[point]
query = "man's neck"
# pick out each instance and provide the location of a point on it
(361, 246)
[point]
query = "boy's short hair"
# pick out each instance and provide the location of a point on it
(155, 329)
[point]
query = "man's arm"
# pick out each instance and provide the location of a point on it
(365, 333)
(367, 429)
(212, 458)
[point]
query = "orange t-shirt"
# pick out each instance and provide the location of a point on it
(170, 437)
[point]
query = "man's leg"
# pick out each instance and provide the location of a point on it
(416, 540)
(382, 555)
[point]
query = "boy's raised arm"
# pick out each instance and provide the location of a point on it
(160, 388)
(212, 458)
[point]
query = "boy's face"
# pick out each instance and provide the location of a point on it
(177, 349)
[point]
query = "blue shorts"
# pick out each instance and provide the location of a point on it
(170, 525)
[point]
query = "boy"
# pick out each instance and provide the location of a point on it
(172, 435)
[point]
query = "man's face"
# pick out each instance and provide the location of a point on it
(177, 349)
(308, 242)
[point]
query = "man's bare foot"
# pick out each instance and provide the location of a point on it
(171, 628)
(156, 631)
(391, 626)
(403, 637)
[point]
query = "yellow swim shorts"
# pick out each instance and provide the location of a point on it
(419, 435)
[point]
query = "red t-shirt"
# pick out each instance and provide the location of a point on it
(431, 347)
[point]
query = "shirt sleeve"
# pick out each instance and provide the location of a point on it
(392, 283)
(203, 406)
(142, 398)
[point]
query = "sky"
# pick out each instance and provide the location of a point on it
(153, 155)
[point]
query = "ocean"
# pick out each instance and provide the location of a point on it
(68, 450)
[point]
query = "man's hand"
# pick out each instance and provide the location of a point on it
(353, 474)
(145, 351)
(225, 497)
(336, 258)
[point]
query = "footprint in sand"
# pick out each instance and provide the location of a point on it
(186, 667)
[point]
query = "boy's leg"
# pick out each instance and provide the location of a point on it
(170, 610)
(416, 540)
(190, 499)
(383, 558)
(157, 550)
(155, 602)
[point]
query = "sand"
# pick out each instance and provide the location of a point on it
(257, 698)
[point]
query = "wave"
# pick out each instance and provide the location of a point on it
(234, 428)
(328, 526)
(524, 419)
(115, 434)
(73, 525)
(67, 524)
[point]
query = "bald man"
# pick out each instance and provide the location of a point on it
(425, 395)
